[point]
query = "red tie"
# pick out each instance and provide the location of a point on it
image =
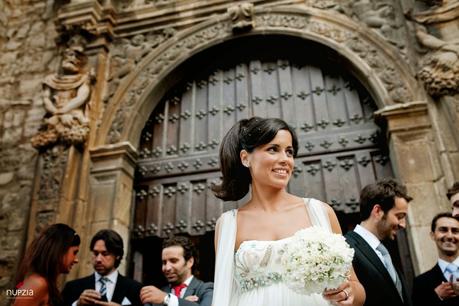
(178, 289)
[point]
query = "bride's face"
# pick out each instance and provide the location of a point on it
(272, 164)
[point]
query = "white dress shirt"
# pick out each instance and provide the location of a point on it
(371, 239)
(113, 277)
(110, 284)
(442, 263)
(174, 299)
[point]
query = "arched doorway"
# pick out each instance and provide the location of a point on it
(341, 148)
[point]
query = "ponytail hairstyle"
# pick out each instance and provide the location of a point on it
(45, 257)
(247, 134)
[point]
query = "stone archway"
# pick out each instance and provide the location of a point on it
(375, 63)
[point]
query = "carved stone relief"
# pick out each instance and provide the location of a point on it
(384, 17)
(151, 72)
(326, 4)
(54, 162)
(439, 69)
(440, 66)
(241, 17)
(126, 53)
(129, 4)
(65, 95)
(385, 68)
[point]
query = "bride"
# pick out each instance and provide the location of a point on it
(259, 153)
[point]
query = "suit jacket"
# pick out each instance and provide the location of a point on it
(379, 288)
(124, 288)
(424, 286)
(204, 291)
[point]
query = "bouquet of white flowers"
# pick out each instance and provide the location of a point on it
(316, 259)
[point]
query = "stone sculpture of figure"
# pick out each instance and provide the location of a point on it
(64, 97)
(440, 71)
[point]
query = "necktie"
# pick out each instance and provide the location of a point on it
(451, 270)
(390, 267)
(103, 285)
(178, 289)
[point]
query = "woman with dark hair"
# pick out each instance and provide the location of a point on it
(257, 156)
(52, 253)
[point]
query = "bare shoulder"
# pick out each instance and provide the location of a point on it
(36, 282)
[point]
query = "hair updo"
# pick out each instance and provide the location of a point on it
(247, 134)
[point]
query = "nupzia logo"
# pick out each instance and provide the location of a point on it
(19, 293)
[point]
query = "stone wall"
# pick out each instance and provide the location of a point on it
(27, 53)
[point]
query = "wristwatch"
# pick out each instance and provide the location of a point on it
(167, 298)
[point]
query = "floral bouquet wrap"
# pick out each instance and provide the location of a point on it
(316, 259)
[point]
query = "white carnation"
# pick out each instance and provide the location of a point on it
(316, 259)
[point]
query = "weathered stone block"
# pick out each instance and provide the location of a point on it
(426, 203)
(414, 158)
(10, 200)
(8, 57)
(6, 178)
(30, 87)
(425, 252)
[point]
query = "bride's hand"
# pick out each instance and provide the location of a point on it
(341, 295)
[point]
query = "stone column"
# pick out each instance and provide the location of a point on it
(110, 202)
(415, 160)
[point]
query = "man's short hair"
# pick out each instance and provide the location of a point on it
(453, 190)
(433, 225)
(382, 192)
(113, 243)
(189, 250)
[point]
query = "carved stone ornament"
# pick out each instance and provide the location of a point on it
(64, 97)
(241, 17)
(52, 174)
(324, 4)
(440, 66)
(127, 53)
(155, 68)
(399, 85)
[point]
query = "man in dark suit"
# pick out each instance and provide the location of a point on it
(383, 209)
(106, 285)
(434, 287)
(184, 289)
(453, 197)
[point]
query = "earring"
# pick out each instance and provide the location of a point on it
(246, 164)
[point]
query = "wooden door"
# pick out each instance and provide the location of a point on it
(340, 147)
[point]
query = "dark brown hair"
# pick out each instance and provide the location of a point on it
(247, 134)
(453, 190)
(113, 243)
(189, 250)
(45, 255)
(383, 192)
(433, 225)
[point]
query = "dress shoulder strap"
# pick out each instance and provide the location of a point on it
(224, 265)
(317, 213)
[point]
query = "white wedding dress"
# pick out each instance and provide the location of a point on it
(251, 276)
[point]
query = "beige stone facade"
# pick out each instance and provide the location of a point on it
(69, 134)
